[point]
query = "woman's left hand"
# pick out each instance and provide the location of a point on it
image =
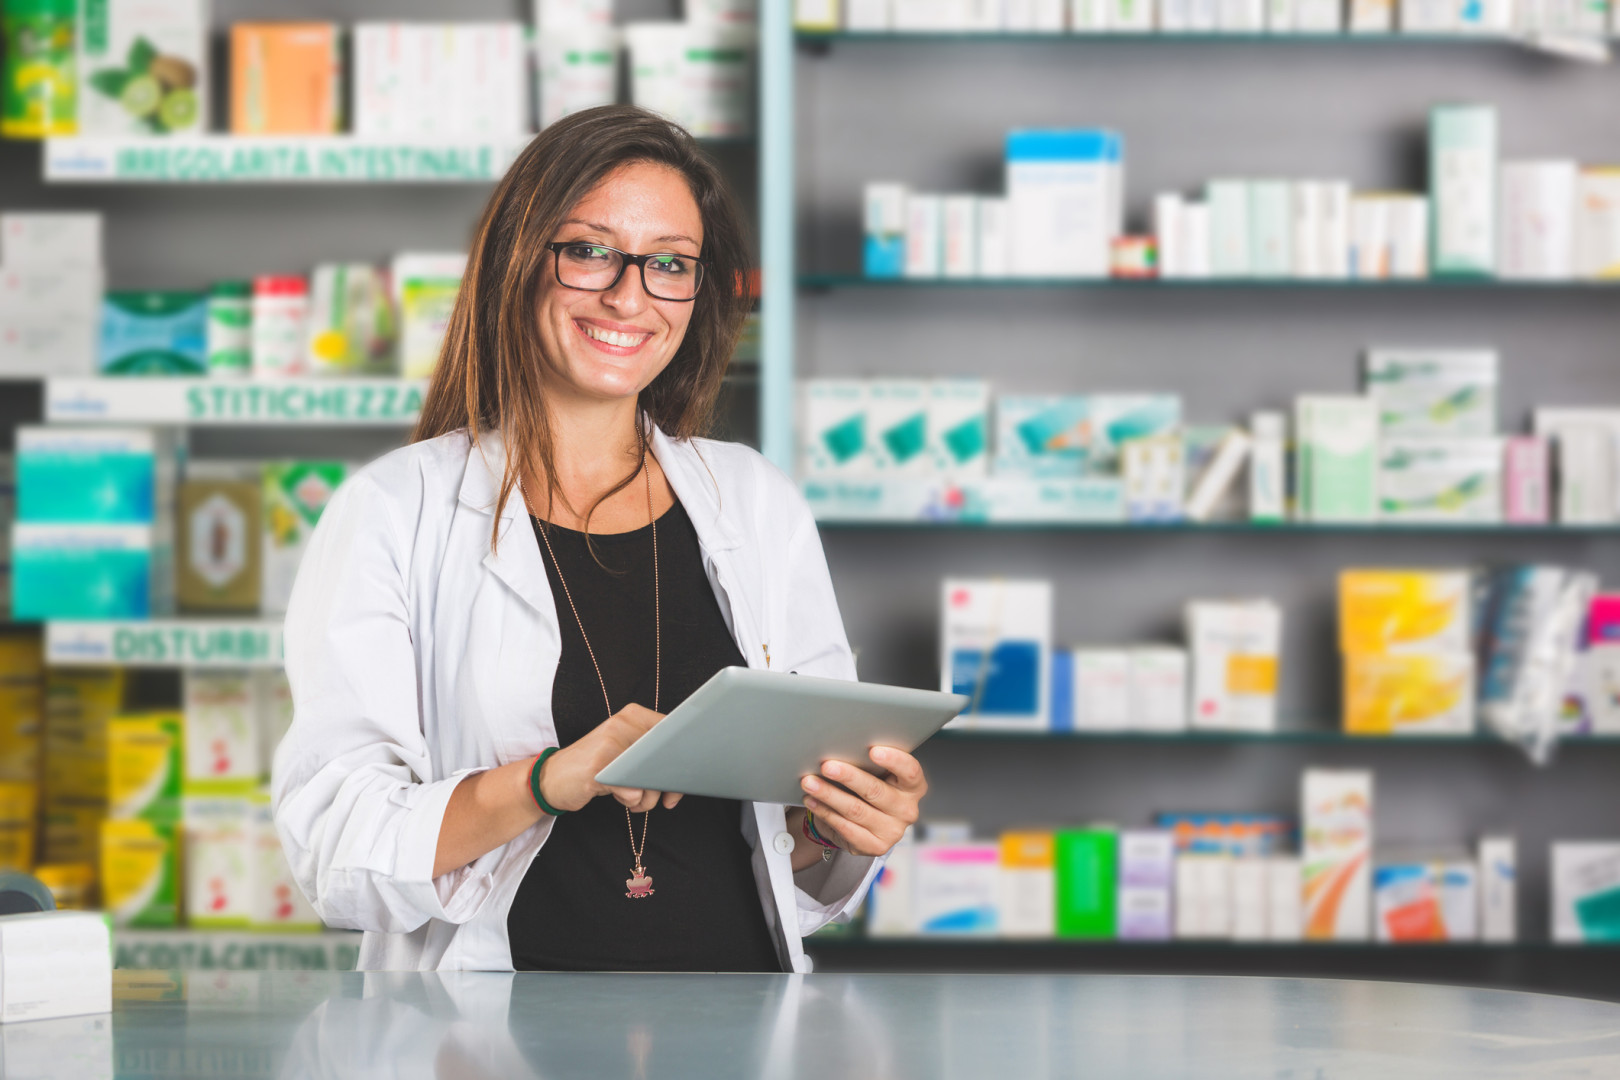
(872, 819)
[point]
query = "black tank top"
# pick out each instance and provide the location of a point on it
(571, 912)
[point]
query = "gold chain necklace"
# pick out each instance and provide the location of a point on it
(640, 882)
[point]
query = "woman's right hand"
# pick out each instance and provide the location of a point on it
(568, 779)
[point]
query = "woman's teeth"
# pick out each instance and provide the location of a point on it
(613, 337)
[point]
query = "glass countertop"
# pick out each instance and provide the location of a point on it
(818, 1027)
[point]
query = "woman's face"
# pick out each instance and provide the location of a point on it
(604, 346)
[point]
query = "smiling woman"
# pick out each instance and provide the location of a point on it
(462, 669)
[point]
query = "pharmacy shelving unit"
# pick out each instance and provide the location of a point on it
(1584, 970)
(931, 110)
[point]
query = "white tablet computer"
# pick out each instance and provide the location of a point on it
(752, 735)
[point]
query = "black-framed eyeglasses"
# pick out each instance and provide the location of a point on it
(665, 275)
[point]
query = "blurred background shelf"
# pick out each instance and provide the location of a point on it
(276, 402)
(1586, 970)
(1281, 39)
(248, 642)
(1282, 737)
(926, 503)
(831, 281)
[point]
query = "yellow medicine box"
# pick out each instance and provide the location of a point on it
(1423, 694)
(1404, 611)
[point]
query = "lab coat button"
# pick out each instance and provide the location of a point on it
(783, 843)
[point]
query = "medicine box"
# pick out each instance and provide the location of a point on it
(1101, 681)
(1158, 688)
(1043, 436)
(1336, 811)
(1231, 235)
(1404, 611)
(996, 644)
(154, 333)
(960, 236)
(1462, 189)
(351, 329)
(958, 888)
(1116, 419)
(1065, 195)
(1203, 896)
(286, 78)
(1406, 903)
(1027, 904)
(1086, 883)
(143, 68)
(995, 238)
(1526, 481)
(295, 493)
(1284, 913)
(959, 427)
(1536, 223)
(1585, 892)
(50, 240)
(54, 964)
(578, 68)
(144, 755)
(140, 872)
(1434, 392)
(219, 545)
(884, 254)
(1155, 472)
(1249, 896)
(1234, 647)
(891, 903)
(100, 476)
(425, 289)
(925, 236)
(1498, 889)
(90, 572)
(1242, 836)
(897, 412)
(1409, 694)
(219, 860)
(1587, 444)
(222, 741)
(1336, 474)
(1146, 881)
(1597, 222)
(834, 427)
(1440, 480)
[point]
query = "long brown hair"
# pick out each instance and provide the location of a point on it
(488, 374)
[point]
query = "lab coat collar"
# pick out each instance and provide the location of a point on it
(689, 475)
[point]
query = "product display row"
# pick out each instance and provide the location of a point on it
(1529, 653)
(1063, 216)
(138, 67)
(107, 528)
(1217, 876)
(342, 319)
(1420, 445)
(161, 818)
(1577, 18)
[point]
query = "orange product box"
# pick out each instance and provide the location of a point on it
(286, 78)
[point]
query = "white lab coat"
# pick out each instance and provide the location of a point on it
(418, 655)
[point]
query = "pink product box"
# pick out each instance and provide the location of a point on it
(1603, 620)
(1525, 489)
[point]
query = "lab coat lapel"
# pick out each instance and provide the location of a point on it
(516, 560)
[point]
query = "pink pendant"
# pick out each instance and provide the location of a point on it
(639, 883)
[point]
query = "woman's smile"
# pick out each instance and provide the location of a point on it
(615, 339)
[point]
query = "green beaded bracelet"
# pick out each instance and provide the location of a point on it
(534, 783)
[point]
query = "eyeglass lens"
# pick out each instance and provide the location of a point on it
(664, 276)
